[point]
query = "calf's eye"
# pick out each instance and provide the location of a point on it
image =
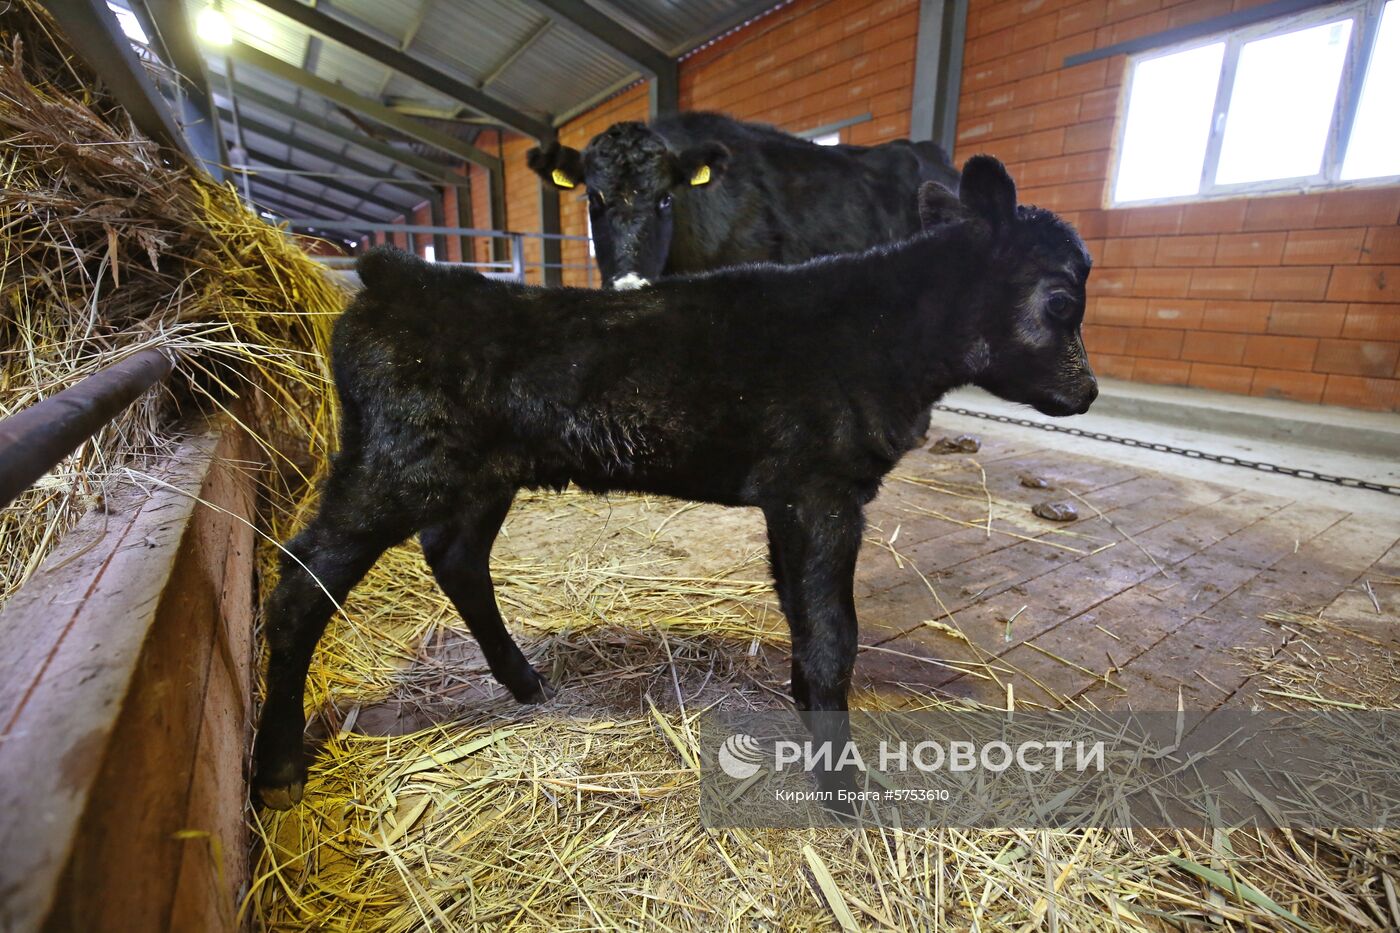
(664, 203)
(1059, 305)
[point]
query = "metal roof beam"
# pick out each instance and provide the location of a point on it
(321, 152)
(514, 54)
(615, 37)
(351, 191)
(374, 110)
(625, 44)
(170, 26)
(400, 61)
(285, 190)
(279, 204)
(413, 107)
(95, 34)
(409, 160)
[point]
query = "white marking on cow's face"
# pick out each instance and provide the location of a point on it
(978, 357)
(630, 280)
(1031, 329)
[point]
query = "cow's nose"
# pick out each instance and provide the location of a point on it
(1089, 396)
(629, 281)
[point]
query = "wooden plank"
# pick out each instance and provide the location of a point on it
(1350, 654)
(1077, 587)
(911, 656)
(106, 656)
(213, 860)
(963, 580)
(935, 544)
(1286, 561)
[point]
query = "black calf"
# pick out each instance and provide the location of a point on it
(457, 391)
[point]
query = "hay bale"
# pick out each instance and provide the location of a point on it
(111, 246)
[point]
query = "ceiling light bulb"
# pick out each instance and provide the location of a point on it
(213, 27)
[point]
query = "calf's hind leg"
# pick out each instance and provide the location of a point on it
(459, 553)
(318, 570)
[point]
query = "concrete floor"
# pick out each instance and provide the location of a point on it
(1338, 441)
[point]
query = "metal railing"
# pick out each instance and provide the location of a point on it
(513, 269)
(34, 440)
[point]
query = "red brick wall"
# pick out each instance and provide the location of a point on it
(812, 63)
(488, 141)
(1289, 296)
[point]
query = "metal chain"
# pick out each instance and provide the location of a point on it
(1348, 481)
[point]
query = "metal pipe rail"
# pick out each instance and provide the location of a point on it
(33, 441)
(512, 269)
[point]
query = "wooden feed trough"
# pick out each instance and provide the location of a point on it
(125, 703)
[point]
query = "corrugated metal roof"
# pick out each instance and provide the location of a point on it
(467, 38)
(392, 19)
(350, 69)
(556, 69)
(545, 72)
(506, 47)
(676, 26)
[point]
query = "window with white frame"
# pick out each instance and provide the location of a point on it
(1306, 102)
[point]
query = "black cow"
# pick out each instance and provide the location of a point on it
(701, 191)
(457, 391)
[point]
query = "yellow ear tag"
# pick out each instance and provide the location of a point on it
(561, 179)
(701, 176)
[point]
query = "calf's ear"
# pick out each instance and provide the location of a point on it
(938, 205)
(701, 165)
(561, 166)
(988, 191)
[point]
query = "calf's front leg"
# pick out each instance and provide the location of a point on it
(816, 542)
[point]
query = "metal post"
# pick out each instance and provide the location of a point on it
(92, 29)
(170, 25)
(34, 440)
(496, 193)
(938, 72)
(437, 210)
(464, 219)
(664, 92)
(517, 257)
(551, 250)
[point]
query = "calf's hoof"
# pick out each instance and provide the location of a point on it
(280, 785)
(543, 691)
(281, 797)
